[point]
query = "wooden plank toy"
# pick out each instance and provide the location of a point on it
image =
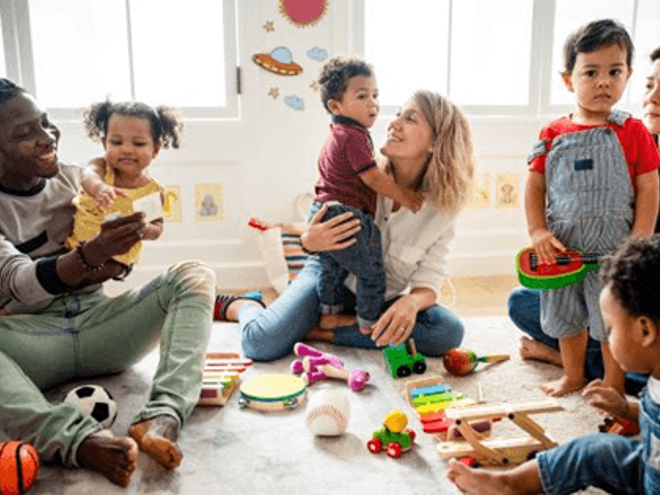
(220, 376)
(272, 392)
(498, 451)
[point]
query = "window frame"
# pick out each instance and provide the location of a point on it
(540, 74)
(16, 31)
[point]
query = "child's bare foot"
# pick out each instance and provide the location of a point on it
(115, 458)
(337, 320)
(533, 349)
(477, 480)
(563, 386)
(157, 438)
(320, 335)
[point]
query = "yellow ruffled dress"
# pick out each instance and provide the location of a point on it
(88, 218)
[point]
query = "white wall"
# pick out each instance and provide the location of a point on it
(267, 157)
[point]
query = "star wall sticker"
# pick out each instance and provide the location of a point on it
(269, 26)
(274, 93)
(315, 86)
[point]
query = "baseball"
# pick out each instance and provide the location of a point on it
(327, 413)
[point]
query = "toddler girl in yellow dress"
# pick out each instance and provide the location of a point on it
(132, 135)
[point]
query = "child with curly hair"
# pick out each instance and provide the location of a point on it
(629, 303)
(132, 135)
(349, 181)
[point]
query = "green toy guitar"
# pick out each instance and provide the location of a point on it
(571, 267)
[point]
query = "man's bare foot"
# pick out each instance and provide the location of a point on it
(563, 386)
(157, 438)
(115, 458)
(477, 481)
(533, 349)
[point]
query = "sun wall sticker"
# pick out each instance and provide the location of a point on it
(303, 13)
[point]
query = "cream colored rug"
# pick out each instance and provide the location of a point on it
(243, 451)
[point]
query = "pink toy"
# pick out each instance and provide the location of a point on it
(317, 365)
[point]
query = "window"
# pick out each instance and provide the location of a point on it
(74, 52)
(490, 57)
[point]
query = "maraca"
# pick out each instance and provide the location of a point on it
(461, 362)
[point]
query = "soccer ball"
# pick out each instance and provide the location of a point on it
(95, 402)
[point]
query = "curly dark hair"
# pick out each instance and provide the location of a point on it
(632, 274)
(166, 127)
(655, 54)
(8, 90)
(335, 75)
(597, 34)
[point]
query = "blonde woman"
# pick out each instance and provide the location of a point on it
(428, 148)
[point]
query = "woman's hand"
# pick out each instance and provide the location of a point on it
(332, 235)
(607, 399)
(396, 325)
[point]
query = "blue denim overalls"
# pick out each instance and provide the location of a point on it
(590, 208)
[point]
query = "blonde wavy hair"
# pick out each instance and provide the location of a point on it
(447, 177)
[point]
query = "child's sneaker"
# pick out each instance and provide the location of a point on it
(222, 302)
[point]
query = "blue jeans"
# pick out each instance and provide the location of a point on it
(609, 462)
(364, 259)
(525, 312)
(269, 334)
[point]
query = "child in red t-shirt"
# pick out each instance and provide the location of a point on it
(592, 182)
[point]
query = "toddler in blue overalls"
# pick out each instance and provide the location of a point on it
(631, 280)
(593, 182)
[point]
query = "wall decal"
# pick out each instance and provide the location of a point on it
(269, 26)
(274, 93)
(295, 102)
(480, 197)
(318, 54)
(508, 190)
(208, 202)
(172, 204)
(279, 61)
(315, 86)
(303, 13)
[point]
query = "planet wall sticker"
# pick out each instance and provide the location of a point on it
(303, 13)
(279, 61)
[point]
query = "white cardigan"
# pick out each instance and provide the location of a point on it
(415, 246)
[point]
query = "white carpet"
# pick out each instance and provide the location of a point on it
(230, 450)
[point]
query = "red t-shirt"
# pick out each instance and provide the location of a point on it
(346, 154)
(638, 146)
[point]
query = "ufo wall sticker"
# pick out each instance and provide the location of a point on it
(303, 13)
(279, 61)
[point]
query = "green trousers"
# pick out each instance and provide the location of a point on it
(81, 336)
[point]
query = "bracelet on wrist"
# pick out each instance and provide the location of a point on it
(305, 250)
(85, 261)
